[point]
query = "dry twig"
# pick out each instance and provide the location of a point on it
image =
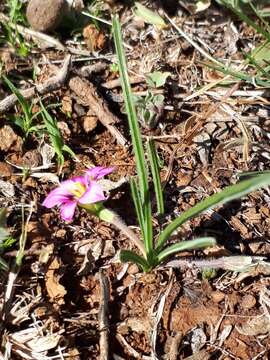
(54, 83)
(103, 317)
(111, 84)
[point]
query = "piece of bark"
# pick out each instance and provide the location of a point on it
(87, 93)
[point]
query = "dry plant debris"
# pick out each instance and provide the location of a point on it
(72, 299)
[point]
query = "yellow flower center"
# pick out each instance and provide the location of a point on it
(78, 190)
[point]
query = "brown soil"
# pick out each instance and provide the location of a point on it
(167, 313)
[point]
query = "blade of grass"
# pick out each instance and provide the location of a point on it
(27, 122)
(3, 265)
(130, 256)
(153, 159)
(23, 238)
(238, 74)
(228, 194)
(186, 245)
(257, 13)
(257, 66)
(54, 134)
(135, 136)
(137, 202)
(246, 19)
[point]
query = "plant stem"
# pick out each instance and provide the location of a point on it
(119, 223)
(114, 219)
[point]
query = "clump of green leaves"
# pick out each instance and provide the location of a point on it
(16, 16)
(55, 136)
(25, 120)
(26, 123)
(158, 250)
(150, 107)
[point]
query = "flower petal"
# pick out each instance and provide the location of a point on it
(56, 197)
(93, 194)
(67, 210)
(99, 172)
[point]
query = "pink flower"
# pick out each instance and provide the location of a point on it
(81, 190)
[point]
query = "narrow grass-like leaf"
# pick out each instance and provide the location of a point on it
(3, 264)
(246, 19)
(135, 136)
(68, 150)
(130, 256)
(228, 194)
(22, 240)
(149, 16)
(186, 245)
(153, 159)
(238, 74)
(257, 13)
(137, 202)
(257, 66)
(54, 134)
(27, 121)
(249, 174)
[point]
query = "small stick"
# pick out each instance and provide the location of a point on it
(88, 70)
(129, 349)
(88, 94)
(103, 317)
(176, 341)
(49, 40)
(111, 84)
(54, 83)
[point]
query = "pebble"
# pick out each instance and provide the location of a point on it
(133, 269)
(217, 296)
(248, 301)
(89, 123)
(45, 16)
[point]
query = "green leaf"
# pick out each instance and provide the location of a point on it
(3, 264)
(201, 5)
(25, 122)
(239, 11)
(228, 194)
(135, 136)
(261, 54)
(157, 78)
(186, 245)
(130, 256)
(149, 16)
(4, 234)
(137, 202)
(68, 150)
(153, 159)
(54, 134)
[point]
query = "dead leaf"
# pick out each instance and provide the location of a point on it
(56, 291)
(9, 140)
(67, 105)
(95, 39)
(256, 326)
(7, 189)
